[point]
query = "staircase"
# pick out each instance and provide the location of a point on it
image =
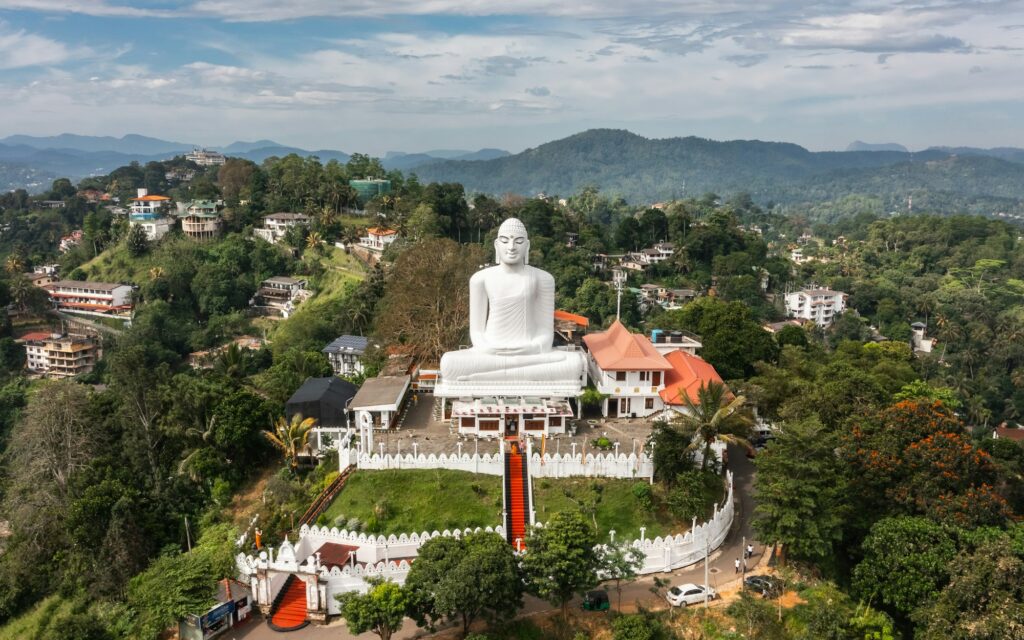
(288, 613)
(517, 496)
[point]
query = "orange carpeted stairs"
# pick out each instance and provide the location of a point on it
(289, 610)
(516, 497)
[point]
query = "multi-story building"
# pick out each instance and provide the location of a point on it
(205, 158)
(151, 213)
(276, 225)
(60, 356)
(345, 354)
(201, 220)
(819, 305)
(279, 295)
(641, 378)
(628, 369)
(378, 239)
(665, 342)
(104, 298)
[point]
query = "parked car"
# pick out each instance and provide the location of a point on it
(596, 601)
(689, 593)
(767, 586)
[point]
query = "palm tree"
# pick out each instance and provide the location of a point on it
(713, 417)
(291, 437)
(14, 263)
(231, 362)
(314, 240)
(156, 273)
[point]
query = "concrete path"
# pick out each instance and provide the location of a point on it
(722, 575)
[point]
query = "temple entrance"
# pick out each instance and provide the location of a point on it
(512, 425)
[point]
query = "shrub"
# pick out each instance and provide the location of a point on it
(636, 627)
(602, 443)
(322, 520)
(643, 494)
(354, 524)
(340, 521)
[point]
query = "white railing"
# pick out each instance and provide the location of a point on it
(565, 465)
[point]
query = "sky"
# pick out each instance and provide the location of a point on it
(379, 75)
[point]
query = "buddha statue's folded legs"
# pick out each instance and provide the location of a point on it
(474, 365)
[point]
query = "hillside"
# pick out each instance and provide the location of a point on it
(647, 170)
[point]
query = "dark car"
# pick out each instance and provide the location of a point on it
(596, 601)
(767, 586)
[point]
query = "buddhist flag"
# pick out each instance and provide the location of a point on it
(543, 446)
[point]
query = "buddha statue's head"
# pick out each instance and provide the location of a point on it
(512, 246)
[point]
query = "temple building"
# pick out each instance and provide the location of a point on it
(641, 379)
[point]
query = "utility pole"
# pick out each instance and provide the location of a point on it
(188, 536)
(619, 278)
(706, 573)
(743, 567)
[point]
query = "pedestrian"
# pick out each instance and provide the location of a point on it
(737, 565)
(750, 551)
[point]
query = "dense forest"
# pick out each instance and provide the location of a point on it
(650, 170)
(104, 489)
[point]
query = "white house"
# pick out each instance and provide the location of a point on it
(150, 213)
(280, 295)
(920, 342)
(643, 378)
(105, 298)
(205, 158)
(345, 354)
(378, 239)
(276, 225)
(377, 405)
(628, 369)
(819, 305)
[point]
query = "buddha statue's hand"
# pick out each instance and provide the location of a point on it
(516, 350)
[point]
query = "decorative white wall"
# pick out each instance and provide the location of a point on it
(566, 465)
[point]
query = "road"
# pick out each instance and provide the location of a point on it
(721, 572)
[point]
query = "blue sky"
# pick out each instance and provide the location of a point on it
(378, 75)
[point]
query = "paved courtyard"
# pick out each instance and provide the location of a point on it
(432, 436)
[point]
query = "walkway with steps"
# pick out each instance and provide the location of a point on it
(517, 495)
(289, 610)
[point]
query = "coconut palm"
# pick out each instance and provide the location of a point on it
(291, 437)
(14, 263)
(713, 416)
(231, 362)
(314, 240)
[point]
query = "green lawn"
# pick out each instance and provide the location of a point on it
(616, 507)
(425, 500)
(419, 500)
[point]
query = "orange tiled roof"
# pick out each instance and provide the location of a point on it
(583, 321)
(37, 335)
(1010, 433)
(619, 350)
(381, 231)
(688, 374)
(151, 199)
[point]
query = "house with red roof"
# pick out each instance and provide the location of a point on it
(639, 381)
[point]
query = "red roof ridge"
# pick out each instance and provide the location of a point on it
(583, 321)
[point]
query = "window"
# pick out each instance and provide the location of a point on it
(620, 376)
(488, 425)
(657, 379)
(467, 423)
(645, 376)
(649, 403)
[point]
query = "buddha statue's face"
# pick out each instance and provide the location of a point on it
(512, 244)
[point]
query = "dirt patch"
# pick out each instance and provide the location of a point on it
(790, 599)
(249, 501)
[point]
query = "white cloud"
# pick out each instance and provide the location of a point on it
(86, 7)
(19, 48)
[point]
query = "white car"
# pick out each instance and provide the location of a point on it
(684, 594)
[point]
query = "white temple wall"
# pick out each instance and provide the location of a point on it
(567, 465)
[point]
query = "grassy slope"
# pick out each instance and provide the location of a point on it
(421, 500)
(27, 624)
(425, 500)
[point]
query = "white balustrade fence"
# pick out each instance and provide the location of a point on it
(674, 552)
(565, 465)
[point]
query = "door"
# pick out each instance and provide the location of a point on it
(623, 407)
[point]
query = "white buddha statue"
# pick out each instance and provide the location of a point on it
(511, 323)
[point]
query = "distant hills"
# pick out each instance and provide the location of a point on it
(31, 161)
(857, 145)
(647, 170)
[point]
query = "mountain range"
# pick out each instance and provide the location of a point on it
(34, 161)
(647, 170)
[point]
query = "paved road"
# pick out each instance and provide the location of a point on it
(721, 571)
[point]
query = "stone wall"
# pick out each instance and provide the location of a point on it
(566, 465)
